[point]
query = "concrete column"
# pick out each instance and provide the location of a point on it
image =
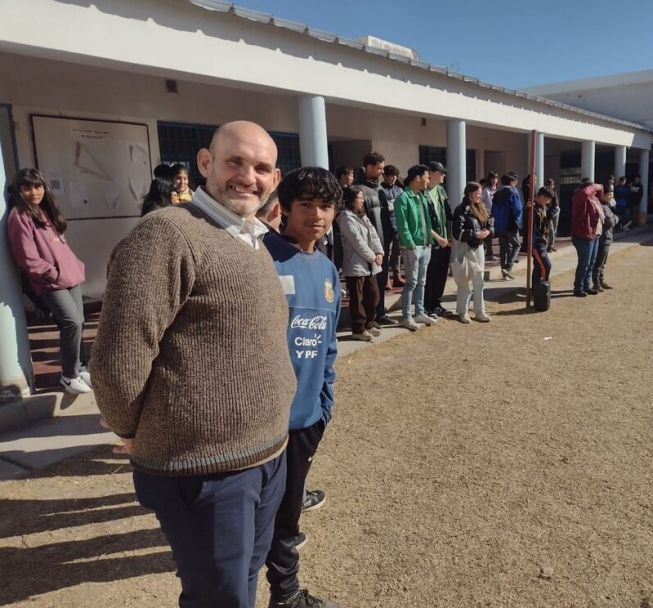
(619, 162)
(456, 161)
(15, 356)
(644, 159)
(313, 145)
(588, 158)
(539, 158)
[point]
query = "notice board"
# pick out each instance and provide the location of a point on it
(97, 169)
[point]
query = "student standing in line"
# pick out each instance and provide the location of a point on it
(162, 194)
(308, 197)
(182, 185)
(507, 214)
(492, 183)
(471, 226)
(635, 196)
(376, 208)
(361, 262)
(586, 226)
(415, 238)
(392, 191)
(621, 193)
(554, 208)
(541, 227)
(440, 216)
(605, 240)
(36, 229)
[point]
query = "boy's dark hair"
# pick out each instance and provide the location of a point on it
(545, 192)
(373, 158)
(343, 170)
(391, 170)
(164, 171)
(623, 177)
(265, 209)
(413, 172)
(308, 183)
(508, 178)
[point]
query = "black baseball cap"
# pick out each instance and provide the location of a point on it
(433, 166)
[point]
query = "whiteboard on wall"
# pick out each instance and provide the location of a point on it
(97, 169)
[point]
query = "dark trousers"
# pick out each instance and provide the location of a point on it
(283, 558)
(436, 278)
(219, 528)
(508, 249)
(541, 264)
(363, 299)
(598, 271)
(489, 247)
(68, 312)
(382, 281)
(394, 255)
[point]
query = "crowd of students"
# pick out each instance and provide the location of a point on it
(382, 223)
(224, 466)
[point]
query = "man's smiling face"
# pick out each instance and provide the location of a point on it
(240, 168)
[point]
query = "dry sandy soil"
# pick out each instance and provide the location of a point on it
(507, 464)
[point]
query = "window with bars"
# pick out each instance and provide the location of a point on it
(180, 142)
(438, 154)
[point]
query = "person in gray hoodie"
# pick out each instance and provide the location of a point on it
(362, 260)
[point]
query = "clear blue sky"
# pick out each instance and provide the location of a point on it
(514, 43)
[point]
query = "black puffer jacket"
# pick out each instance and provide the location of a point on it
(466, 225)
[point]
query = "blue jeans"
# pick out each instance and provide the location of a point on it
(416, 262)
(586, 251)
(219, 528)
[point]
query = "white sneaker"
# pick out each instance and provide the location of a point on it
(366, 336)
(86, 377)
(74, 386)
(424, 319)
(464, 318)
(375, 331)
(482, 317)
(409, 323)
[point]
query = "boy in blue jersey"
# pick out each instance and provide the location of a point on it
(308, 197)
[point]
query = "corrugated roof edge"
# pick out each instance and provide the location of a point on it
(323, 36)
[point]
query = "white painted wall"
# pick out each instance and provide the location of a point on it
(69, 89)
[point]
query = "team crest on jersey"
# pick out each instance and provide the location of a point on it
(328, 291)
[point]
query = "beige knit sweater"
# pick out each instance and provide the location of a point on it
(191, 357)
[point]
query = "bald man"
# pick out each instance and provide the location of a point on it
(191, 369)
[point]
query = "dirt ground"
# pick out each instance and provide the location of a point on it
(507, 464)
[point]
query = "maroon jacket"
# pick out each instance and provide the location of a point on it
(43, 253)
(586, 211)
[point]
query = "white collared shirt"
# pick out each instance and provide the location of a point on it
(248, 231)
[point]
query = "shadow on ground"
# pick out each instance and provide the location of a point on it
(32, 567)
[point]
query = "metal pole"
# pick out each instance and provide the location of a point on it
(529, 227)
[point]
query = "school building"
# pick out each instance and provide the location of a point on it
(97, 94)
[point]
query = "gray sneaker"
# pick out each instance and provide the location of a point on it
(409, 323)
